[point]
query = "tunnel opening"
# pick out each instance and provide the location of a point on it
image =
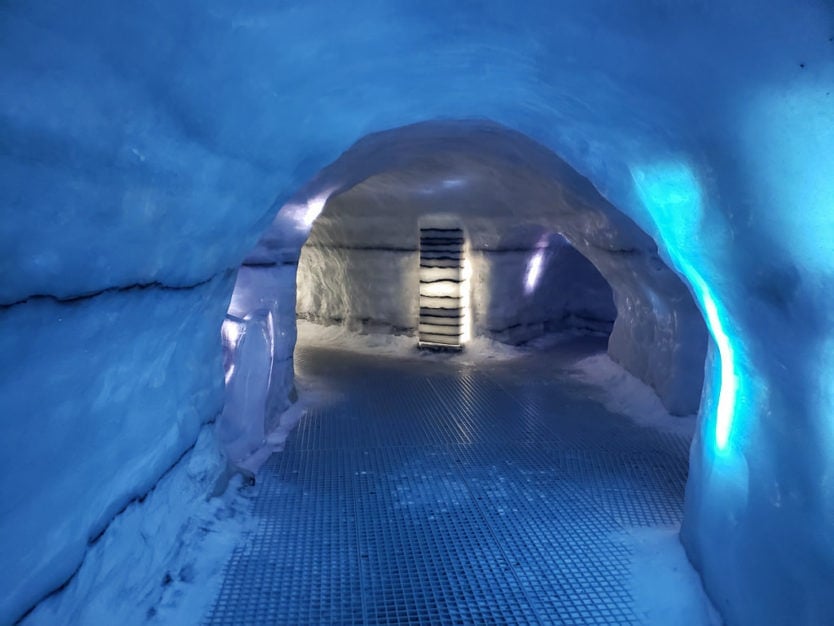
(511, 194)
(549, 256)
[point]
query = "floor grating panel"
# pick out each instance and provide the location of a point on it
(432, 493)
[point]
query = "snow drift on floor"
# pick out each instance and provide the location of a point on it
(664, 586)
(620, 392)
(161, 560)
(477, 350)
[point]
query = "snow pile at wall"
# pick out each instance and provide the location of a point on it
(620, 392)
(162, 560)
(479, 350)
(664, 586)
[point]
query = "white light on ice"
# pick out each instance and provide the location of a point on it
(534, 272)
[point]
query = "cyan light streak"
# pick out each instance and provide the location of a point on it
(729, 379)
(672, 195)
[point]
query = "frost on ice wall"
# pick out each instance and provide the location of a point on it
(151, 144)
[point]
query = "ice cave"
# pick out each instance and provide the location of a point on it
(478, 312)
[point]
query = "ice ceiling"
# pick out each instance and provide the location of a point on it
(150, 145)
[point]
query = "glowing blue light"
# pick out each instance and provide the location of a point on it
(729, 380)
(672, 195)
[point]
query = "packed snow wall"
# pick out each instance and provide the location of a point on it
(517, 293)
(146, 145)
(364, 287)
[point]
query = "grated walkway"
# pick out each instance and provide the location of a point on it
(426, 492)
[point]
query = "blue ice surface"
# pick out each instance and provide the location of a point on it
(672, 195)
(152, 144)
(180, 167)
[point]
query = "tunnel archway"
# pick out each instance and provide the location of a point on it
(658, 336)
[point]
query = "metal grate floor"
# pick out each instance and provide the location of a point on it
(426, 492)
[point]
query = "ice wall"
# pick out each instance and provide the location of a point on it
(362, 286)
(100, 396)
(259, 334)
(144, 144)
(517, 292)
(520, 294)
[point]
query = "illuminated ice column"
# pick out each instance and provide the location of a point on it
(444, 288)
(672, 195)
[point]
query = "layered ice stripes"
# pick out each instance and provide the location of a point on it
(442, 280)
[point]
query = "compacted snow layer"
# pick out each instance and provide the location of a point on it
(361, 288)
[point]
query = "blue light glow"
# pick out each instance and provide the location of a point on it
(672, 195)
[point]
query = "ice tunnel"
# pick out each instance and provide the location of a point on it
(511, 195)
(164, 168)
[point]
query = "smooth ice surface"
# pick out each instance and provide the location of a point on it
(268, 291)
(441, 488)
(248, 343)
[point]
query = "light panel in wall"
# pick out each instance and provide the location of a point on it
(444, 301)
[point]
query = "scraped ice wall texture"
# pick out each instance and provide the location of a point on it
(520, 289)
(146, 144)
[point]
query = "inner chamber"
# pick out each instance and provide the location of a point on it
(446, 277)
